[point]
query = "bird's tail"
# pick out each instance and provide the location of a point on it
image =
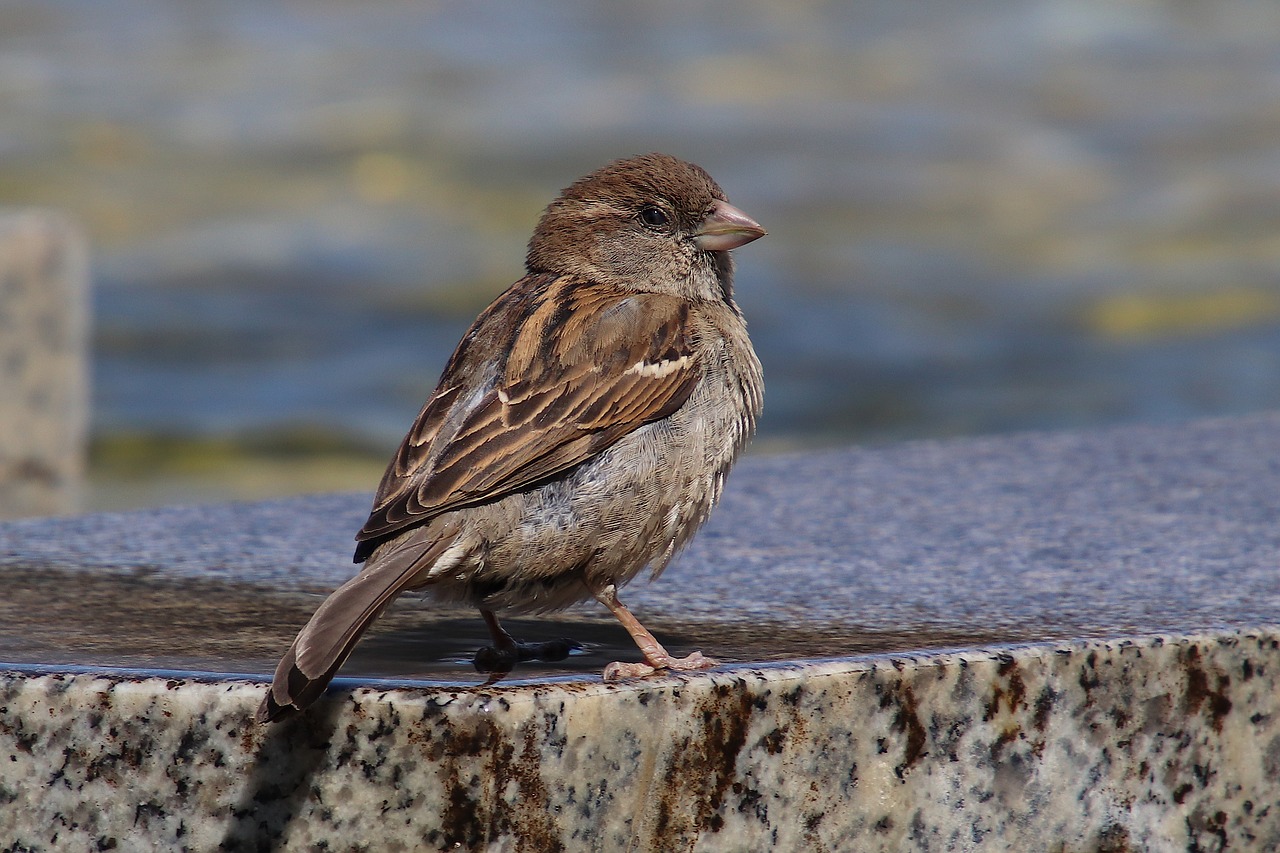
(324, 644)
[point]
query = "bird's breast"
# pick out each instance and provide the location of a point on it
(635, 504)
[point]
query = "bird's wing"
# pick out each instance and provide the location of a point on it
(552, 373)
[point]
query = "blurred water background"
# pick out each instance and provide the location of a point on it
(984, 216)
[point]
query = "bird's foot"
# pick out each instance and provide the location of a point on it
(618, 670)
(502, 659)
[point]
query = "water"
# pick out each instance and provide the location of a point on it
(983, 217)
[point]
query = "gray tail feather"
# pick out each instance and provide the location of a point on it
(324, 644)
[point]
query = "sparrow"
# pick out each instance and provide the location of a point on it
(581, 431)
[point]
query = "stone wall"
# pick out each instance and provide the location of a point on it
(1063, 642)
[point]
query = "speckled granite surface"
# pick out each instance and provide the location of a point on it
(1157, 744)
(1013, 733)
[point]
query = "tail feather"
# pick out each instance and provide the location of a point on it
(324, 644)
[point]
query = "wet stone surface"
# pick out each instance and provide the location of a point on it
(990, 644)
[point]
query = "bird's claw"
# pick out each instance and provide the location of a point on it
(696, 661)
(503, 659)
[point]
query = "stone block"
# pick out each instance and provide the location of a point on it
(1065, 642)
(44, 405)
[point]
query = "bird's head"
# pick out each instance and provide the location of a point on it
(648, 223)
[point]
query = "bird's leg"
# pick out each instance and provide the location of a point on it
(507, 651)
(656, 657)
(503, 655)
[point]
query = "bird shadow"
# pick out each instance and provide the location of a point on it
(291, 753)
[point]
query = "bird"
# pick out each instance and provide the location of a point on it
(581, 431)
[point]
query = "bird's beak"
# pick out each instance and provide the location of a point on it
(726, 227)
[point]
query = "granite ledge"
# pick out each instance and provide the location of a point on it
(1158, 743)
(1053, 641)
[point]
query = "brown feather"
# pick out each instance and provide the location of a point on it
(571, 391)
(326, 641)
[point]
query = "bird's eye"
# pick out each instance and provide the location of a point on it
(653, 217)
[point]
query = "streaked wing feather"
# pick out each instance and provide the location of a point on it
(565, 388)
